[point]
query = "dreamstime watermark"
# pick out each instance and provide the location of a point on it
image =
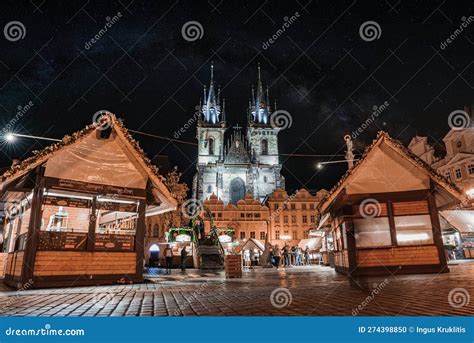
(14, 31)
(187, 125)
(281, 297)
(377, 110)
(26, 286)
(281, 208)
(281, 119)
(459, 120)
(377, 289)
(102, 120)
(191, 208)
(370, 208)
(288, 21)
(192, 31)
(465, 23)
(21, 111)
(370, 31)
(45, 331)
(111, 21)
(459, 297)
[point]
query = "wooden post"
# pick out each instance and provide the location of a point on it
(140, 238)
(34, 227)
(350, 238)
(92, 226)
(391, 222)
(437, 236)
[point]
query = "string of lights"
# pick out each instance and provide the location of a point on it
(11, 137)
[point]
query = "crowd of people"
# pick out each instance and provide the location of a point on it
(289, 257)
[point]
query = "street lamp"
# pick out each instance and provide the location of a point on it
(10, 137)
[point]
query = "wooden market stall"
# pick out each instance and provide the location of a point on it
(384, 213)
(76, 210)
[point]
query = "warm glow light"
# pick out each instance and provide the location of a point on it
(407, 237)
(470, 193)
(319, 166)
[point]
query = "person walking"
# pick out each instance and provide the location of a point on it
(168, 258)
(286, 256)
(276, 256)
(184, 254)
(306, 256)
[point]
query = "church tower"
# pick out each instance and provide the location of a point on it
(263, 138)
(210, 135)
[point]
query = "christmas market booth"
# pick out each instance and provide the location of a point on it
(384, 213)
(75, 211)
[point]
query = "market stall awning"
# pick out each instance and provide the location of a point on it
(311, 243)
(323, 221)
(251, 243)
(462, 220)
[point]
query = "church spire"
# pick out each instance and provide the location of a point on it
(211, 109)
(260, 105)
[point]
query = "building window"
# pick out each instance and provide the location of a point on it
(265, 179)
(414, 230)
(156, 231)
(242, 215)
(303, 206)
(264, 145)
(211, 146)
(286, 233)
(295, 235)
(257, 215)
(262, 235)
(293, 219)
(305, 235)
(209, 189)
(285, 206)
(293, 207)
(275, 207)
(219, 215)
(470, 169)
(252, 234)
(277, 234)
(285, 219)
(311, 206)
(447, 175)
(312, 218)
(277, 219)
(372, 232)
(242, 234)
(305, 219)
(457, 173)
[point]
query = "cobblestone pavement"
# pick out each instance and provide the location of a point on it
(296, 291)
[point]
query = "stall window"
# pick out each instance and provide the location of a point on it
(277, 234)
(470, 169)
(372, 232)
(457, 173)
(414, 230)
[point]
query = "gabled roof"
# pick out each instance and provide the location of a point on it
(39, 157)
(407, 155)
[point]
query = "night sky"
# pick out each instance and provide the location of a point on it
(320, 70)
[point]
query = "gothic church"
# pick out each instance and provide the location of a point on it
(243, 161)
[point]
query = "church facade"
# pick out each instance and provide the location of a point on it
(233, 162)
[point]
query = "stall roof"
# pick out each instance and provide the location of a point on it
(398, 149)
(463, 220)
(123, 137)
(251, 242)
(312, 243)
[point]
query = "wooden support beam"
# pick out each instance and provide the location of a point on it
(92, 225)
(34, 228)
(140, 237)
